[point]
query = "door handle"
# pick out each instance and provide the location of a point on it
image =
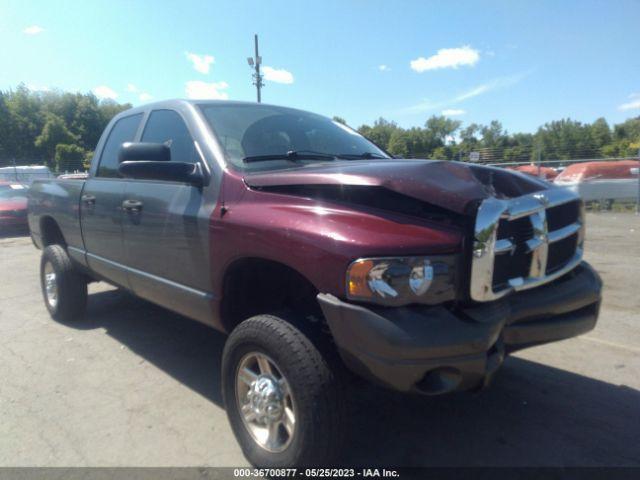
(133, 206)
(89, 199)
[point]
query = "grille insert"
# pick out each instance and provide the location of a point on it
(525, 242)
(561, 252)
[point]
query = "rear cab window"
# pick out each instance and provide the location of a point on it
(124, 130)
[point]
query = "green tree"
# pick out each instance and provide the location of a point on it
(88, 121)
(380, 133)
(441, 153)
(339, 120)
(565, 139)
(25, 124)
(69, 158)
(109, 109)
(5, 125)
(398, 143)
(493, 135)
(600, 133)
(33, 123)
(54, 132)
(439, 129)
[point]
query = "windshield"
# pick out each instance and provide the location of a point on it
(263, 137)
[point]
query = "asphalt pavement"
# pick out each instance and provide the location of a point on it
(136, 385)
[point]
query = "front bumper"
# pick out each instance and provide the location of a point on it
(433, 350)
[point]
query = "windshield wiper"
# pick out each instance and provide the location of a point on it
(364, 155)
(292, 155)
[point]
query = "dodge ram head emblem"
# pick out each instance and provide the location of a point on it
(542, 198)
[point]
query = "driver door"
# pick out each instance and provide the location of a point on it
(165, 227)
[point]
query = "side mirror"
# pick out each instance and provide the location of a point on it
(165, 171)
(152, 161)
(157, 152)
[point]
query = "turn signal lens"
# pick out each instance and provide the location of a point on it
(357, 279)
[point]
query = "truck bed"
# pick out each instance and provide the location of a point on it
(57, 200)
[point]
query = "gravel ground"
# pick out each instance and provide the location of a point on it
(135, 385)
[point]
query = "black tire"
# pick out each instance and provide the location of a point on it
(317, 389)
(71, 286)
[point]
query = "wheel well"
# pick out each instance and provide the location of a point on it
(255, 286)
(51, 233)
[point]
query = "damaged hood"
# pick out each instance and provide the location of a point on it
(454, 186)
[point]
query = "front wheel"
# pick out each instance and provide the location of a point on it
(284, 403)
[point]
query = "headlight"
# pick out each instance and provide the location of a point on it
(398, 281)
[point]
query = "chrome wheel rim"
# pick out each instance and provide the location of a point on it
(50, 285)
(265, 402)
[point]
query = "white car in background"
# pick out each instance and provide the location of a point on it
(25, 174)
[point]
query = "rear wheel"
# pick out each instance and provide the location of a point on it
(284, 402)
(64, 288)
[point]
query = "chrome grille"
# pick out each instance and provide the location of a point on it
(525, 242)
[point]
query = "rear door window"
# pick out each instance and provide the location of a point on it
(123, 131)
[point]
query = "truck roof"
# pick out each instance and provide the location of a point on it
(178, 102)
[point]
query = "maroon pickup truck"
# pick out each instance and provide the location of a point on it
(320, 255)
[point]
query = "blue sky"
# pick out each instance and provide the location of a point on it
(521, 62)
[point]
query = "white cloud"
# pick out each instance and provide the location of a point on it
(204, 90)
(634, 104)
(37, 88)
(201, 63)
(145, 97)
(495, 84)
(451, 112)
(424, 106)
(383, 68)
(131, 88)
(33, 30)
(277, 75)
(447, 58)
(103, 92)
(474, 92)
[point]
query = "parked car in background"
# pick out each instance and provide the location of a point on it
(547, 173)
(320, 255)
(602, 181)
(13, 206)
(24, 174)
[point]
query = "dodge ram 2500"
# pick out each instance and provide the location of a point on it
(319, 254)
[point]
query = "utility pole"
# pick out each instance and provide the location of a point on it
(255, 64)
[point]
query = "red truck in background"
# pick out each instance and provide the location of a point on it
(13, 206)
(320, 255)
